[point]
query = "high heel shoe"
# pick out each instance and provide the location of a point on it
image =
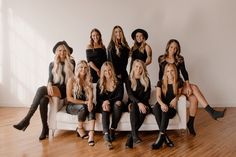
(82, 135)
(159, 142)
(91, 138)
(22, 125)
(108, 141)
(44, 133)
(168, 142)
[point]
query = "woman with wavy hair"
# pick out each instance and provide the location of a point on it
(139, 89)
(191, 91)
(167, 92)
(60, 70)
(80, 100)
(141, 49)
(109, 96)
(96, 54)
(118, 52)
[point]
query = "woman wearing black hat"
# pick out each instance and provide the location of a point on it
(60, 70)
(96, 54)
(118, 52)
(141, 50)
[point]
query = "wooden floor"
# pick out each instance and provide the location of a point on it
(214, 138)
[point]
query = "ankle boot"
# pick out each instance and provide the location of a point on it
(44, 133)
(215, 114)
(129, 142)
(112, 134)
(190, 125)
(168, 142)
(159, 142)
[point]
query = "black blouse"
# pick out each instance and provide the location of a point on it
(116, 95)
(119, 62)
(170, 93)
(180, 67)
(62, 87)
(139, 95)
(98, 56)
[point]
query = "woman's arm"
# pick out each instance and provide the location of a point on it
(149, 54)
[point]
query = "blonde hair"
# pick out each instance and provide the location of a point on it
(86, 80)
(57, 67)
(144, 80)
(165, 79)
(103, 80)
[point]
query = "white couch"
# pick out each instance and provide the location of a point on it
(59, 119)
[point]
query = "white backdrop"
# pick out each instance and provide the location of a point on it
(30, 28)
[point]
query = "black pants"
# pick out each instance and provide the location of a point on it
(162, 118)
(136, 119)
(116, 111)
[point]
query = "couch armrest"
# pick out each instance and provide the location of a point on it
(181, 109)
(55, 105)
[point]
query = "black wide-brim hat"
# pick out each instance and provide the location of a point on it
(145, 34)
(62, 43)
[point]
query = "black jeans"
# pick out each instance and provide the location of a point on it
(136, 119)
(116, 111)
(162, 118)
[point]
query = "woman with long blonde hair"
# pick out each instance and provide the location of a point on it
(80, 100)
(96, 54)
(167, 92)
(118, 52)
(109, 96)
(60, 70)
(139, 89)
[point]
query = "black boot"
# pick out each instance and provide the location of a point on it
(190, 125)
(112, 134)
(159, 142)
(44, 133)
(129, 142)
(168, 142)
(44, 117)
(215, 114)
(24, 123)
(108, 141)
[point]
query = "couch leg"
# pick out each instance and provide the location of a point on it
(53, 132)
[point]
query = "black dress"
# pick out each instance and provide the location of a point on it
(119, 61)
(136, 54)
(98, 56)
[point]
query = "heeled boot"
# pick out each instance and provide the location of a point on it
(168, 142)
(24, 123)
(44, 116)
(129, 142)
(215, 114)
(44, 134)
(159, 142)
(190, 125)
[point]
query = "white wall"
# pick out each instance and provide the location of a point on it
(30, 28)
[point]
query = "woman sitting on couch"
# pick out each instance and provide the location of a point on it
(80, 100)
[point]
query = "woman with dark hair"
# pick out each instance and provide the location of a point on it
(109, 96)
(191, 91)
(60, 70)
(80, 100)
(96, 54)
(167, 92)
(140, 50)
(118, 52)
(139, 89)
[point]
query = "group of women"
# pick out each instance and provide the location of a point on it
(108, 69)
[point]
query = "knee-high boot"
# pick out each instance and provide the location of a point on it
(24, 123)
(44, 118)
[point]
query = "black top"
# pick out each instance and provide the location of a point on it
(98, 56)
(62, 87)
(136, 54)
(139, 95)
(180, 67)
(119, 62)
(170, 93)
(116, 95)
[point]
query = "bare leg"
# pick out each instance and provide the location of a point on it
(91, 132)
(80, 130)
